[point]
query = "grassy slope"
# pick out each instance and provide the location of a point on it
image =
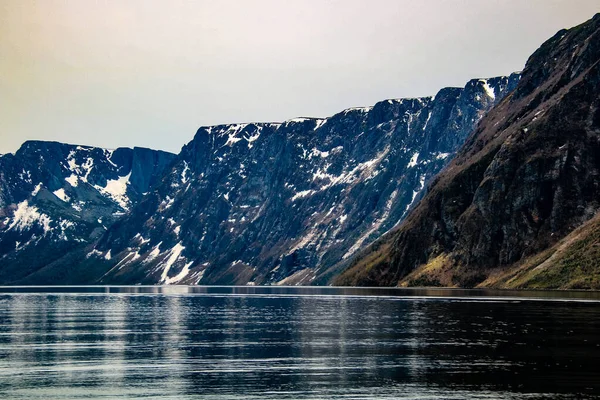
(573, 263)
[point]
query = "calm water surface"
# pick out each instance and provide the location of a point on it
(305, 343)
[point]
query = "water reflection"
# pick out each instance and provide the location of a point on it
(475, 294)
(280, 345)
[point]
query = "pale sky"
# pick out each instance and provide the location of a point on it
(148, 73)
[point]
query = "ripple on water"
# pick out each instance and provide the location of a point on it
(282, 345)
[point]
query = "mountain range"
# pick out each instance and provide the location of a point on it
(493, 184)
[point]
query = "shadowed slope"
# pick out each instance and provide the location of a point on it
(527, 177)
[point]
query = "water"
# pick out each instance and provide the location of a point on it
(306, 343)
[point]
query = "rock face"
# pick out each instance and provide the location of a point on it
(572, 263)
(55, 197)
(270, 203)
(526, 178)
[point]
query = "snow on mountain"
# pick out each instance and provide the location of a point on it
(269, 203)
(53, 192)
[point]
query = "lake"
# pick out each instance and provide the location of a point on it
(297, 343)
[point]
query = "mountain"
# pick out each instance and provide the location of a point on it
(269, 203)
(518, 205)
(56, 197)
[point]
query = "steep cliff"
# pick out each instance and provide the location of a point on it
(526, 178)
(270, 203)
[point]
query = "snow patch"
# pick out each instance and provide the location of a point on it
(232, 140)
(427, 121)
(166, 203)
(175, 253)
(108, 155)
(36, 190)
(64, 224)
(359, 109)
(26, 216)
(179, 277)
(87, 167)
(116, 189)
(415, 193)
(374, 227)
(184, 176)
(297, 120)
(25, 176)
(306, 240)
(232, 133)
(413, 160)
(73, 180)
(489, 91)
(303, 194)
(319, 123)
(60, 193)
(141, 239)
(318, 153)
(364, 171)
(153, 254)
(251, 139)
(79, 206)
(93, 253)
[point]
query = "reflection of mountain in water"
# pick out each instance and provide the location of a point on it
(294, 346)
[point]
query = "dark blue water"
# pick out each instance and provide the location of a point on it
(307, 343)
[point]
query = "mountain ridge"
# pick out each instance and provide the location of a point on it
(532, 161)
(254, 178)
(263, 187)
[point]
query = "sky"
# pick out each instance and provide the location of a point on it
(147, 73)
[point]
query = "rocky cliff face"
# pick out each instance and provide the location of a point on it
(271, 203)
(55, 197)
(526, 178)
